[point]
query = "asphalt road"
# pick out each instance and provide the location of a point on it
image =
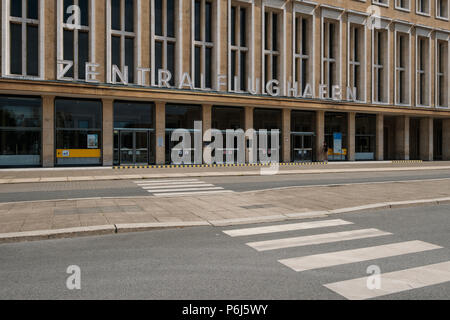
(125, 188)
(206, 263)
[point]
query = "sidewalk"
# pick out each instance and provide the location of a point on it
(48, 219)
(101, 173)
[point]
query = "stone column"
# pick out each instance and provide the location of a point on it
(108, 132)
(248, 125)
(48, 131)
(446, 139)
(320, 134)
(402, 138)
(426, 139)
(160, 131)
(286, 135)
(207, 123)
(380, 137)
(351, 118)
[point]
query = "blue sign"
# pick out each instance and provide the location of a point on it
(337, 143)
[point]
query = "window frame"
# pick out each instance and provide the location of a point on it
(62, 26)
(279, 7)
(299, 57)
(177, 40)
(381, 3)
(6, 40)
(423, 35)
(426, 14)
(398, 6)
(438, 16)
(444, 38)
(238, 48)
(386, 66)
(358, 22)
(214, 45)
(136, 35)
(405, 30)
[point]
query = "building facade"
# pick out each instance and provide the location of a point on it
(107, 82)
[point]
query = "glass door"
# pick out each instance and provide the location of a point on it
(302, 147)
(127, 147)
(141, 147)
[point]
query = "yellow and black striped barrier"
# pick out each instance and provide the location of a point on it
(407, 161)
(173, 166)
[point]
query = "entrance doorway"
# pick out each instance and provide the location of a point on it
(302, 146)
(132, 147)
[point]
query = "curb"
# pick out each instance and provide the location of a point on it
(140, 227)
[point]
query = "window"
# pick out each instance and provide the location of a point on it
(402, 5)
(78, 137)
(402, 81)
(22, 50)
(380, 68)
(272, 60)
(20, 131)
(239, 48)
(423, 71)
(165, 38)
(330, 56)
(356, 60)
(384, 3)
(203, 44)
(423, 7)
(122, 40)
(365, 136)
(442, 9)
(442, 73)
(303, 45)
(73, 39)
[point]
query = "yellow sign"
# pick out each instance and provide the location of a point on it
(330, 152)
(78, 153)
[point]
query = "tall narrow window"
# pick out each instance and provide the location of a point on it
(272, 37)
(423, 6)
(303, 52)
(442, 9)
(356, 58)
(203, 44)
(23, 38)
(402, 69)
(165, 14)
(75, 37)
(330, 54)
(123, 36)
(423, 71)
(239, 51)
(380, 66)
(442, 73)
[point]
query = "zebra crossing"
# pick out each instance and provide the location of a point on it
(353, 289)
(179, 187)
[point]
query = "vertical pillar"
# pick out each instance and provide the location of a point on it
(286, 135)
(248, 126)
(207, 123)
(108, 132)
(48, 131)
(380, 137)
(426, 139)
(351, 118)
(320, 134)
(402, 138)
(160, 131)
(446, 139)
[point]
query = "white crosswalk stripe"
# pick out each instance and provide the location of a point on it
(357, 255)
(179, 187)
(316, 239)
(393, 282)
(286, 227)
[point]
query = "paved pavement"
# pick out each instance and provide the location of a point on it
(210, 208)
(321, 258)
(9, 176)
